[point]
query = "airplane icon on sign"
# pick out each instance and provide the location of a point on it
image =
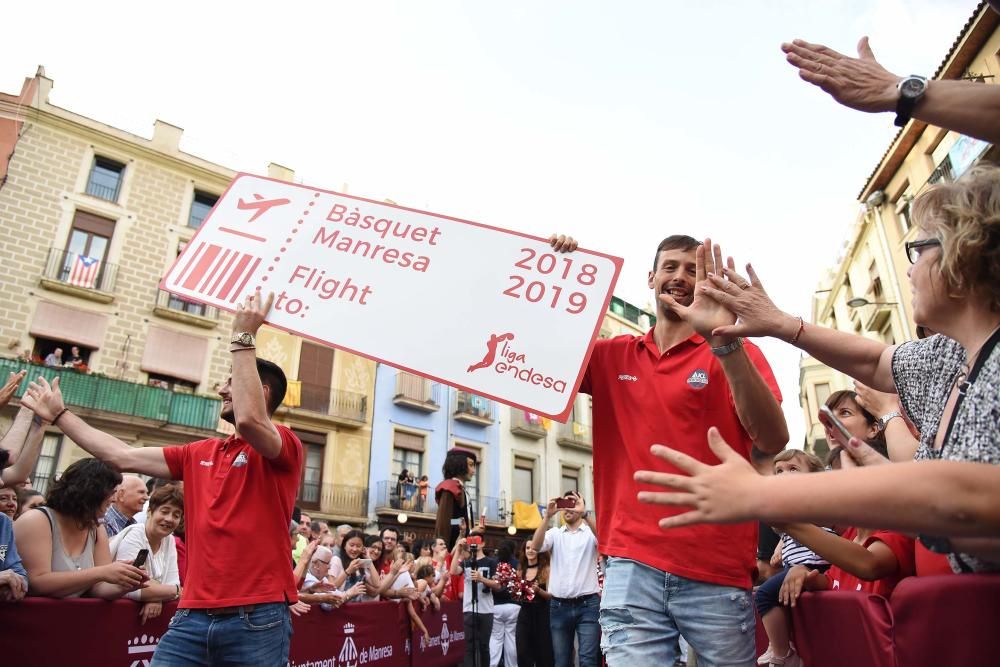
(261, 205)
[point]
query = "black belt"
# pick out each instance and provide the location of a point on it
(228, 611)
(576, 600)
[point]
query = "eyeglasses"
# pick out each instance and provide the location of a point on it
(914, 248)
(325, 562)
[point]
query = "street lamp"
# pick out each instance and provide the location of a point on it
(859, 301)
(401, 517)
(512, 530)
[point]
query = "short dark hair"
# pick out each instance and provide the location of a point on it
(4, 457)
(315, 526)
(168, 494)
(82, 489)
(272, 375)
(675, 242)
(386, 529)
(456, 463)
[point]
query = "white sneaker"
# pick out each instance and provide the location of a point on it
(765, 657)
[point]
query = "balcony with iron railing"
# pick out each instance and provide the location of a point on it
(413, 391)
(473, 409)
(575, 434)
(340, 499)
(526, 424)
(393, 497)
(76, 274)
(172, 307)
(104, 394)
(346, 407)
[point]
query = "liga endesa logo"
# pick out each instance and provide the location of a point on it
(514, 364)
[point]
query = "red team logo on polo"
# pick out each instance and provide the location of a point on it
(514, 363)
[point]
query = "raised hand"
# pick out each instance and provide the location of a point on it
(747, 300)
(724, 493)
(250, 314)
(876, 402)
(859, 83)
(10, 388)
(705, 314)
(44, 399)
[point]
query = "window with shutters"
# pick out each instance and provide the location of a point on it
(311, 485)
(523, 482)
(316, 374)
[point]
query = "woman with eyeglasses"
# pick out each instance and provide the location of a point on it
(948, 383)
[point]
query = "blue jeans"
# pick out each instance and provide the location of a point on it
(260, 637)
(644, 610)
(575, 618)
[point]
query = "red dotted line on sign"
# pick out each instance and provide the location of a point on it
(295, 230)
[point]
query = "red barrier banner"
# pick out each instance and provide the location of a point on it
(369, 634)
(447, 643)
(42, 631)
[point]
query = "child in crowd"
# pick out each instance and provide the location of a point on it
(788, 553)
(861, 559)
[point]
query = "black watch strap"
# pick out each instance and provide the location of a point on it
(904, 110)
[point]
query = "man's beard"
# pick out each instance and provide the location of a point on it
(228, 416)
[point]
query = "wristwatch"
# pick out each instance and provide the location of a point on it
(727, 349)
(939, 545)
(890, 415)
(911, 89)
(244, 338)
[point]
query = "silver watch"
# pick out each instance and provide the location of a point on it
(244, 338)
(728, 349)
(884, 419)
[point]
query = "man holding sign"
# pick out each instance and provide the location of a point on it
(240, 493)
(670, 386)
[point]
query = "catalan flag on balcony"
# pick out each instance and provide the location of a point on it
(83, 272)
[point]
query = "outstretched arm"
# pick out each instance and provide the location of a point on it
(862, 83)
(861, 358)
(23, 441)
(47, 402)
(868, 563)
(938, 498)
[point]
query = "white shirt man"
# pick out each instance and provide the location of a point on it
(572, 581)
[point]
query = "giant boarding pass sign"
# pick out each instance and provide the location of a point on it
(484, 309)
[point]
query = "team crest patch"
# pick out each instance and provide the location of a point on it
(698, 379)
(3, 552)
(241, 460)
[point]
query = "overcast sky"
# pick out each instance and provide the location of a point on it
(618, 122)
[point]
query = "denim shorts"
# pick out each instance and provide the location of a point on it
(643, 610)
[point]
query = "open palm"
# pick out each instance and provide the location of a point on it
(705, 314)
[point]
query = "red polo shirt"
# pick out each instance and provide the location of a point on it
(642, 398)
(237, 506)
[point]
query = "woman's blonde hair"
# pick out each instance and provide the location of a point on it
(965, 217)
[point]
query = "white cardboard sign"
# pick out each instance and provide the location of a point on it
(487, 310)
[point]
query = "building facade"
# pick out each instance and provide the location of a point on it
(868, 292)
(92, 217)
